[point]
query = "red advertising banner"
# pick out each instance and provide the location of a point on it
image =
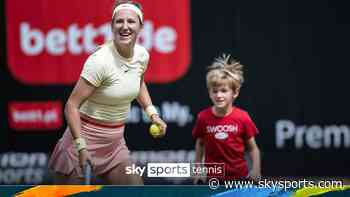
(48, 41)
(35, 115)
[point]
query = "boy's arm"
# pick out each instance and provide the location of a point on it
(199, 150)
(254, 155)
(199, 159)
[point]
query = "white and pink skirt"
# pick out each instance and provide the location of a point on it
(105, 144)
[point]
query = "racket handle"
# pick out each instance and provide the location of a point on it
(87, 174)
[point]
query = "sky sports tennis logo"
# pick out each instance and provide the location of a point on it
(46, 47)
(177, 169)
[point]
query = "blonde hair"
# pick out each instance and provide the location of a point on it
(119, 2)
(225, 71)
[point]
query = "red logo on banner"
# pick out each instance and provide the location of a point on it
(46, 46)
(35, 115)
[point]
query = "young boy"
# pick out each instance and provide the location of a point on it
(224, 131)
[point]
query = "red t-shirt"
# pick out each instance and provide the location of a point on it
(224, 139)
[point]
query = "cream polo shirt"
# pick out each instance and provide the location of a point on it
(117, 80)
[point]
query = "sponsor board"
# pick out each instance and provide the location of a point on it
(313, 136)
(45, 46)
(41, 115)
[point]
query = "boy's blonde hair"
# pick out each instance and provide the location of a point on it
(225, 71)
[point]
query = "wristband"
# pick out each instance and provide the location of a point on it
(151, 110)
(80, 144)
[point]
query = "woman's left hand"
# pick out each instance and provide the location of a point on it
(157, 120)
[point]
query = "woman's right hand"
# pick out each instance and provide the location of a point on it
(84, 159)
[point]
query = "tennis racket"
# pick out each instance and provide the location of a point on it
(87, 174)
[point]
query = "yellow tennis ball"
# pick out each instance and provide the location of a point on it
(154, 130)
